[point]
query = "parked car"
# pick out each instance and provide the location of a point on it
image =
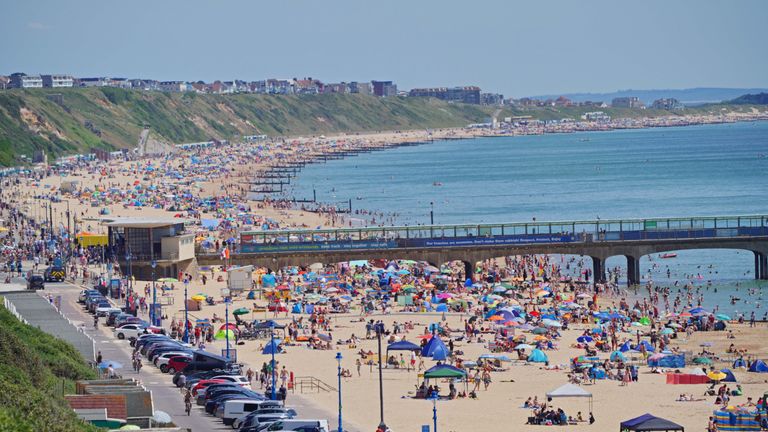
(239, 409)
(104, 311)
(35, 282)
(130, 330)
(236, 379)
(178, 364)
(162, 360)
(265, 407)
(290, 425)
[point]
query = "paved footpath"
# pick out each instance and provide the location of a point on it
(165, 396)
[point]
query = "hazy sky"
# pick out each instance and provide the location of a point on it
(518, 48)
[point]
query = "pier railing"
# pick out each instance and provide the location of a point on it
(533, 232)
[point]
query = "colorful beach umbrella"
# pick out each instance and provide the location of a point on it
(240, 311)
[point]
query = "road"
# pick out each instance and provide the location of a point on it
(165, 396)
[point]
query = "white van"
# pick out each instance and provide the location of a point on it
(294, 424)
(235, 408)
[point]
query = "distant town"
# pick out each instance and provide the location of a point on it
(311, 86)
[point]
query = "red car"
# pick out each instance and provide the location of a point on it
(205, 383)
(178, 363)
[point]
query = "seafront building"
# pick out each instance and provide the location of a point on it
(627, 102)
(667, 104)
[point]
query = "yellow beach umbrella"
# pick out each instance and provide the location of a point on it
(198, 298)
(716, 376)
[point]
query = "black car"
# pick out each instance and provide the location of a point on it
(35, 282)
(55, 274)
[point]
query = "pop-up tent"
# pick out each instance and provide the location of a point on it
(538, 356)
(435, 348)
(571, 390)
(444, 371)
(729, 376)
(759, 366)
(648, 422)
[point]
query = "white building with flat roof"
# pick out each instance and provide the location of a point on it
(56, 81)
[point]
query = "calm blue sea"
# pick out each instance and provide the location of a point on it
(664, 172)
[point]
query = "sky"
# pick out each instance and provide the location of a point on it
(518, 48)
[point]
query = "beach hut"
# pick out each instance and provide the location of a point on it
(648, 422)
(571, 391)
(538, 356)
(759, 366)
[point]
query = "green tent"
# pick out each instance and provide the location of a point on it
(444, 371)
(222, 334)
(240, 311)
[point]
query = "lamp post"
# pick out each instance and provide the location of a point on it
(225, 293)
(433, 397)
(338, 359)
(128, 288)
(185, 338)
(379, 330)
(153, 312)
(274, 366)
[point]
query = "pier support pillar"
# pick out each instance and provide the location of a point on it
(761, 266)
(598, 269)
(469, 270)
(633, 270)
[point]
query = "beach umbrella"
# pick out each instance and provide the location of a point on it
(198, 298)
(167, 279)
(716, 376)
(657, 357)
(702, 360)
(551, 323)
(496, 318)
(722, 317)
(108, 363)
(523, 346)
(539, 331)
(240, 311)
(618, 356)
(667, 331)
(584, 339)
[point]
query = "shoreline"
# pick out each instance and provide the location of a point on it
(395, 141)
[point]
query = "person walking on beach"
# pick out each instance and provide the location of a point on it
(358, 363)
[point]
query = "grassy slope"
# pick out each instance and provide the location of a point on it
(34, 369)
(121, 114)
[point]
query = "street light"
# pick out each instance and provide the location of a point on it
(379, 330)
(338, 359)
(128, 287)
(153, 312)
(274, 365)
(185, 338)
(225, 294)
(433, 397)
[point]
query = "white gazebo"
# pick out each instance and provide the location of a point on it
(571, 390)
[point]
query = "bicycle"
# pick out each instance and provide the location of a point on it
(188, 406)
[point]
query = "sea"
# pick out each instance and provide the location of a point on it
(705, 170)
